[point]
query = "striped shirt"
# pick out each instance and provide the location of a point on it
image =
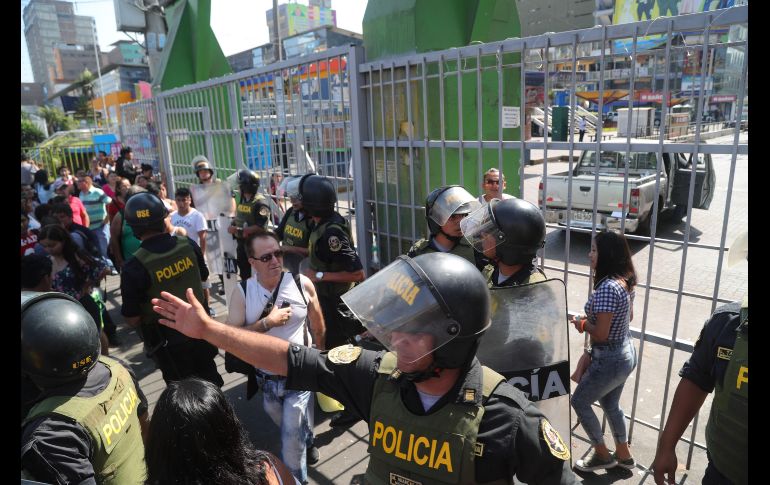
(95, 202)
(612, 297)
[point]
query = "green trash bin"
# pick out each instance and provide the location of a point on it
(560, 123)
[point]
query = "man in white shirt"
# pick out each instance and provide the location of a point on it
(492, 188)
(192, 221)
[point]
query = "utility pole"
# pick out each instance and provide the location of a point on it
(277, 32)
(99, 73)
(155, 34)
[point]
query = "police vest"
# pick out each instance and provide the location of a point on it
(325, 288)
(174, 272)
(244, 212)
(462, 249)
(296, 233)
(728, 424)
(535, 276)
(407, 449)
(111, 420)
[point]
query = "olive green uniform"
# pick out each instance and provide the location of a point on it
(91, 433)
(484, 432)
(462, 249)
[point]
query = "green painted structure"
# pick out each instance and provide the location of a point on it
(193, 55)
(402, 27)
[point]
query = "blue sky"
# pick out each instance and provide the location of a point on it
(238, 24)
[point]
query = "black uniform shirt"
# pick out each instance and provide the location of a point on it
(705, 368)
(58, 450)
(510, 428)
(135, 280)
(341, 251)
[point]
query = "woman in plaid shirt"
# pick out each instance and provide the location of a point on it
(608, 312)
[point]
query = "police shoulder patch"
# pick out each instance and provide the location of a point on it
(344, 354)
(264, 211)
(334, 243)
(554, 441)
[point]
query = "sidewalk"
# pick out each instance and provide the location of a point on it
(344, 454)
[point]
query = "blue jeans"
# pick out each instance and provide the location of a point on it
(610, 366)
(292, 411)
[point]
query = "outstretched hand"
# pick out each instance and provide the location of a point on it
(187, 318)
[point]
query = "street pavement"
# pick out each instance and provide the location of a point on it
(344, 451)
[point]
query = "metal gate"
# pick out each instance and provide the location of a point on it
(287, 118)
(412, 123)
(424, 127)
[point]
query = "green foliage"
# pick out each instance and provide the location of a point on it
(56, 119)
(31, 135)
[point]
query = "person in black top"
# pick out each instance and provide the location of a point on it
(434, 413)
(163, 263)
(124, 165)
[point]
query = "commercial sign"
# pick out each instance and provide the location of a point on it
(723, 98)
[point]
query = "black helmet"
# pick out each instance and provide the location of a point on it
(445, 201)
(248, 181)
(516, 226)
(318, 195)
(440, 294)
(59, 339)
(201, 163)
(144, 209)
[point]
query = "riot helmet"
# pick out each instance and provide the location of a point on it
(248, 181)
(59, 339)
(443, 203)
(318, 195)
(200, 162)
(144, 209)
(513, 227)
(440, 295)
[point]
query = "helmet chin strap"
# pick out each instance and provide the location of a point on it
(454, 239)
(423, 375)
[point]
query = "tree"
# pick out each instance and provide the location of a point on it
(55, 119)
(31, 135)
(86, 81)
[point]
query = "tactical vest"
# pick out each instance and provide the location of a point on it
(728, 424)
(296, 234)
(244, 212)
(535, 277)
(111, 420)
(325, 288)
(435, 448)
(174, 272)
(462, 249)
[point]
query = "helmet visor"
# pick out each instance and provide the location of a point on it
(399, 309)
(454, 200)
(480, 230)
(289, 187)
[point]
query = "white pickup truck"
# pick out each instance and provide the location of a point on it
(637, 204)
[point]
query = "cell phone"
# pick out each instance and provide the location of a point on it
(285, 304)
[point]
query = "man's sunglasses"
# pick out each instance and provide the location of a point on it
(492, 182)
(267, 257)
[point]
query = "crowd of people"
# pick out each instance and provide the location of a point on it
(397, 350)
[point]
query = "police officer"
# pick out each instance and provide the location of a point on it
(434, 413)
(508, 232)
(85, 424)
(719, 361)
(210, 210)
(251, 215)
(163, 263)
(294, 229)
(445, 207)
(334, 263)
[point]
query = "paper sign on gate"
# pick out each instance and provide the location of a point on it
(511, 118)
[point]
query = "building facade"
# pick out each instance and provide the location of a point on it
(48, 25)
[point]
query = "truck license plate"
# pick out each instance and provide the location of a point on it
(582, 216)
